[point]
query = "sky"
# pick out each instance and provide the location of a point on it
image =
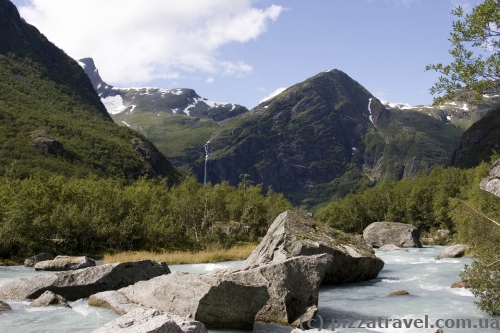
(244, 51)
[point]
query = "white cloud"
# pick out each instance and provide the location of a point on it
(271, 95)
(209, 80)
(133, 41)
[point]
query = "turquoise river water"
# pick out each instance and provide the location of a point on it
(427, 280)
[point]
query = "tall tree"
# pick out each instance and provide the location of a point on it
(475, 43)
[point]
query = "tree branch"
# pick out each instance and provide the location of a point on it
(479, 212)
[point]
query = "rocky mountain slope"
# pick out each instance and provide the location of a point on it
(479, 142)
(52, 121)
(319, 139)
(460, 114)
(324, 138)
(178, 121)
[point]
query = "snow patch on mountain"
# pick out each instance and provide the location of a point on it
(402, 106)
(81, 64)
(192, 105)
(114, 104)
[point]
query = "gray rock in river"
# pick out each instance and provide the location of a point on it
(391, 247)
(30, 262)
(82, 283)
(49, 298)
(455, 251)
(115, 301)
(216, 302)
(295, 234)
(379, 234)
(152, 321)
(4, 307)
(492, 182)
(292, 284)
(399, 293)
(64, 263)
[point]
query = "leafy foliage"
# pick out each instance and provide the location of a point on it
(92, 215)
(471, 74)
(423, 202)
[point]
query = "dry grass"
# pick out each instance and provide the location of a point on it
(178, 257)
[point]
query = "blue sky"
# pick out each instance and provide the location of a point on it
(251, 48)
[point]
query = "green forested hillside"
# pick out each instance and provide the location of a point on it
(51, 119)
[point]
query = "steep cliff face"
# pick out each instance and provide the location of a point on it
(479, 142)
(325, 137)
(52, 120)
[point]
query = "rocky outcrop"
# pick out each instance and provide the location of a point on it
(64, 263)
(216, 302)
(391, 247)
(47, 145)
(30, 262)
(4, 307)
(152, 321)
(115, 301)
(492, 182)
(399, 293)
(455, 251)
(379, 234)
(49, 298)
(82, 283)
(295, 234)
(292, 284)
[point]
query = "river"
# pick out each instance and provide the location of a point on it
(427, 280)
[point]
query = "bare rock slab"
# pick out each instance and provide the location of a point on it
(49, 298)
(491, 183)
(455, 251)
(216, 302)
(379, 234)
(292, 284)
(115, 301)
(64, 263)
(294, 234)
(30, 262)
(82, 283)
(152, 321)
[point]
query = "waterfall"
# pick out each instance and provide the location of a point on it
(207, 155)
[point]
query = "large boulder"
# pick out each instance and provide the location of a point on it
(49, 298)
(379, 234)
(82, 283)
(455, 251)
(216, 302)
(152, 321)
(292, 284)
(30, 262)
(295, 234)
(492, 182)
(64, 263)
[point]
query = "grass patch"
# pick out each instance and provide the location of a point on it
(180, 257)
